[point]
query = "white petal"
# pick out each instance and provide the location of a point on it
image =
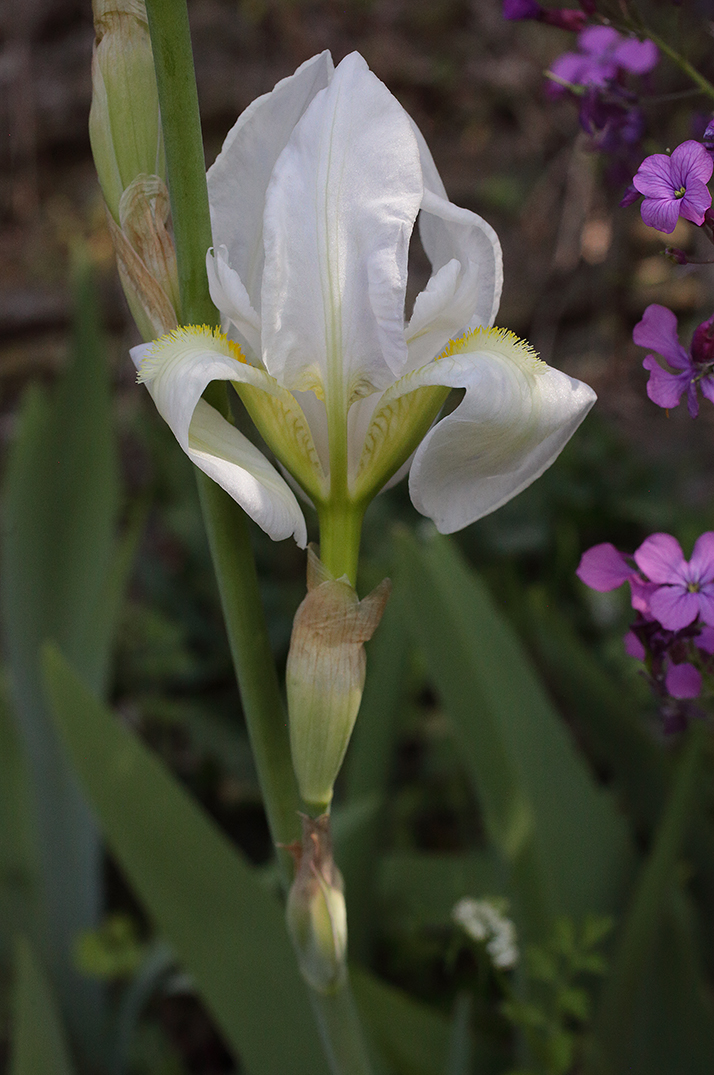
(229, 458)
(231, 297)
(454, 301)
(238, 179)
(339, 213)
(515, 418)
(176, 384)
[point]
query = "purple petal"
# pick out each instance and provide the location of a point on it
(653, 178)
(521, 9)
(707, 386)
(683, 681)
(665, 389)
(705, 641)
(661, 559)
(633, 646)
(636, 56)
(690, 160)
(570, 67)
(603, 568)
(661, 213)
(701, 564)
(702, 345)
(706, 604)
(629, 197)
(598, 39)
(696, 201)
(641, 592)
(674, 606)
(692, 400)
(658, 330)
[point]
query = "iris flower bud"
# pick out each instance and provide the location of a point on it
(325, 675)
(124, 120)
(316, 913)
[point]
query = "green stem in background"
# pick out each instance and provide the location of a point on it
(225, 522)
(341, 1032)
(185, 163)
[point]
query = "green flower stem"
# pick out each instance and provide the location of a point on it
(185, 163)
(341, 1032)
(340, 534)
(225, 522)
(234, 565)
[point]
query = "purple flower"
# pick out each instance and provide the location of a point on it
(675, 186)
(611, 118)
(658, 330)
(683, 680)
(708, 137)
(564, 18)
(673, 634)
(521, 9)
(602, 54)
(683, 589)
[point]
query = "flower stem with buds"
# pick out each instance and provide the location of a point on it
(225, 522)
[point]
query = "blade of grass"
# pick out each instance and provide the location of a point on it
(39, 1045)
(61, 497)
(565, 844)
(225, 927)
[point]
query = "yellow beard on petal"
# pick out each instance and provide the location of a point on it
(186, 337)
(500, 341)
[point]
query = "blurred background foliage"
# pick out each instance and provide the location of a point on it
(471, 773)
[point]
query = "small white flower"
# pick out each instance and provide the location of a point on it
(483, 920)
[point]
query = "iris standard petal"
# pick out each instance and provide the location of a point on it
(447, 231)
(239, 177)
(338, 216)
(176, 370)
(515, 418)
(231, 297)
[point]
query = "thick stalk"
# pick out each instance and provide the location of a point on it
(341, 1032)
(185, 163)
(253, 662)
(340, 533)
(225, 522)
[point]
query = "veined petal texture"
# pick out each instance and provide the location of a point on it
(339, 214)
(515, 418)
(239, 177)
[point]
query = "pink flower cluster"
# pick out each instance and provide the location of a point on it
(674, 599)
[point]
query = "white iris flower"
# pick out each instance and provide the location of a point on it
(314, 198)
